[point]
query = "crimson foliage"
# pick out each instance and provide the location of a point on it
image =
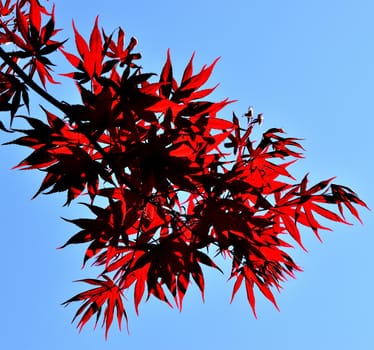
(176, 178)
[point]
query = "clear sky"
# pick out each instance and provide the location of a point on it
(309, 67)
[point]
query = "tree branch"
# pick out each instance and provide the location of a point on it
(31, 83)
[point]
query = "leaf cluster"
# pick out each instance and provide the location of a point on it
(178, 180)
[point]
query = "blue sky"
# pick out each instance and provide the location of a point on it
(309, 67)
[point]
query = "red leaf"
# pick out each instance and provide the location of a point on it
(236, 287)
(22, 24)
(249, 289)
(218, 123)
(166, 77)
(96, 48)
(35, 15)
(182, 285)
(81, 44)
(327, 214)
(188, 70)
(74, 60)
(94, 299)
(250, 278)
(138, 293)
(292, 229)
(201, 94)
(198, 277)
(199, 79)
